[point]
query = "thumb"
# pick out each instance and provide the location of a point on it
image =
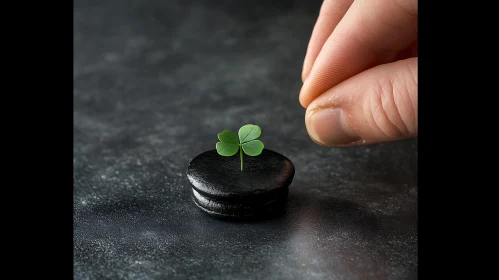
(377, 105)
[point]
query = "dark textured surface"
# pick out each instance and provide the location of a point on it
(220, 188)
(154, 82)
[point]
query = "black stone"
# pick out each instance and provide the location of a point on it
(221, 189)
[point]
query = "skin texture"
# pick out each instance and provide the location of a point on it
(360, 73)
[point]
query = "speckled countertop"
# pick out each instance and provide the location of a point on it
(154, 82)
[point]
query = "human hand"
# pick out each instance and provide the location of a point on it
(360, 81)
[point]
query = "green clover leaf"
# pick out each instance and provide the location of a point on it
(228, 136)
(249, 132)
(253, 148)
(247, 141)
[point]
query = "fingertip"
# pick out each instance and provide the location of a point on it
(328, 127)
(303, 101)
(303, 75)
(304, 68)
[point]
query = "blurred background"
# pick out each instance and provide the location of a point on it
(154, 82)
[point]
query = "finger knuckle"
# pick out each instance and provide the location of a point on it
(389, 109)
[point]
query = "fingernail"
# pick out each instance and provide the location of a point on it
(328, 127)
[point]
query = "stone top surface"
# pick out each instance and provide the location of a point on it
(221, 177)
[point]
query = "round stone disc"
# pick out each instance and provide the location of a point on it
(220, 188)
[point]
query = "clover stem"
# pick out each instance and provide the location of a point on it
(241, 155)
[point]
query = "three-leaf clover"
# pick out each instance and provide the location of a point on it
(247, 141)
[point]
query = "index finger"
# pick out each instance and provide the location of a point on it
(332, 11)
